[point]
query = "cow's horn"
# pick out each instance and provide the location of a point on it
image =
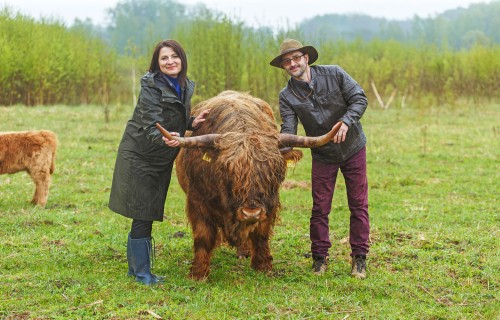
(291, 140)
(206, 140)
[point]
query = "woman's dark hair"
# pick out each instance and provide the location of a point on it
(154, 66)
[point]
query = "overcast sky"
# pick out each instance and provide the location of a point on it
(253, 12)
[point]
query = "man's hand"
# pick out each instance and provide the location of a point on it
(341, 134)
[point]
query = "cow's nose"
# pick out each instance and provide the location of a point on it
(253, 204)
(252, 213)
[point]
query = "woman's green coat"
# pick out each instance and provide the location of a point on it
(144, 162)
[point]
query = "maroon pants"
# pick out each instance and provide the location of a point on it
(324, 176)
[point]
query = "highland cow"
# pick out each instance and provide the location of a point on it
(31, 151)
(231, 170)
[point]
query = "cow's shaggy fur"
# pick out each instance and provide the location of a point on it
(233, 189)
(31, 151)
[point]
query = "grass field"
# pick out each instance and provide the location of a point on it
(434, 207)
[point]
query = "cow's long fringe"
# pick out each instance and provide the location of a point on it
(249, 141)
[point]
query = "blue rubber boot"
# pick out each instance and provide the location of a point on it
(139, 254)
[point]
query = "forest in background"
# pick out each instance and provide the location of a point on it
(420, 61)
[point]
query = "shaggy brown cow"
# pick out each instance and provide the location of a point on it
(231, 170)
(31, 151)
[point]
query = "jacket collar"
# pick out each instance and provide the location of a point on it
(154, 79)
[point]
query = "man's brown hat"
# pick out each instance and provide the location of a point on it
(290, 45)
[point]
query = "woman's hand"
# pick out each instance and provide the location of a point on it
(172, 143)
(200, 118)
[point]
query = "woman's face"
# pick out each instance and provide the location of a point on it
(170, 63)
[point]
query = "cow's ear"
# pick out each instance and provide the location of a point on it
(292, 157)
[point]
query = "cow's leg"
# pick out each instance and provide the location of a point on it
(39, 167)
(244, 249)
(261, 254)
(42, 180)
(205, 237)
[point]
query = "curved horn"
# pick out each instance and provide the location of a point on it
(291, 140)
(206, 140)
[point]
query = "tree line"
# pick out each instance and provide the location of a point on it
(45, 62)
(459, 28)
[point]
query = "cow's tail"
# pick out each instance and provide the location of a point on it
(53, 164)
(51, 138)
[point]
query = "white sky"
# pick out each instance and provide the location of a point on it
(253, 12)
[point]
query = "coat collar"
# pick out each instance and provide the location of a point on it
(154, 79)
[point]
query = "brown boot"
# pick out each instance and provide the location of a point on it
(358, 267)
(320, 264)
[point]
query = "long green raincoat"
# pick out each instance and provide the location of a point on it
(144, 162)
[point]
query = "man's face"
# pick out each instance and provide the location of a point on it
(295, 63)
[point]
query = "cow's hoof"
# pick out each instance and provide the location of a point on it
(263, 268)
(40, 204)
(198, 277)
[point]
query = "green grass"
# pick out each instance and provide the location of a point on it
(434, 183)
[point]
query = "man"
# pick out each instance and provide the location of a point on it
(320, 96)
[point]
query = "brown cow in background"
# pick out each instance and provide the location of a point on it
(31, 151)
(231, 170)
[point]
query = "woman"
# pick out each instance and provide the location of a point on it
(144, 162)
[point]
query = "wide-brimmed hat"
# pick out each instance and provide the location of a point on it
(290, 45)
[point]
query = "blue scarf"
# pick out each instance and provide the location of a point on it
(175, 83)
